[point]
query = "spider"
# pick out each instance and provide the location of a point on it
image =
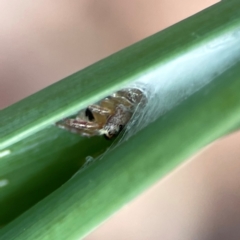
(108, 117)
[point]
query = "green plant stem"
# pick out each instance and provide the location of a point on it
(207, 48)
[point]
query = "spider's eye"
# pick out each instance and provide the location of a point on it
(120, 128)
(89, 114)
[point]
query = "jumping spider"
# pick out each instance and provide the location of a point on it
(108, 117)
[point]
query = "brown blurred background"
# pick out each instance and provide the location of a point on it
(43, 41)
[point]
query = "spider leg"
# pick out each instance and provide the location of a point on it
(121, 100)
(82, 127)
(94, 113)
(130, 97)
(99, 109)
(81, 124)
(98, 113)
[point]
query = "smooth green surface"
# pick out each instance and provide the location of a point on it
(202, 53)
(38, 165)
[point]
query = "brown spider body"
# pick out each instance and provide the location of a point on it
(108, 117)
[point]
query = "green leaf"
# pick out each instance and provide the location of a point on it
(195, 63)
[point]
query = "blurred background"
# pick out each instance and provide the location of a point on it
(43, 41)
